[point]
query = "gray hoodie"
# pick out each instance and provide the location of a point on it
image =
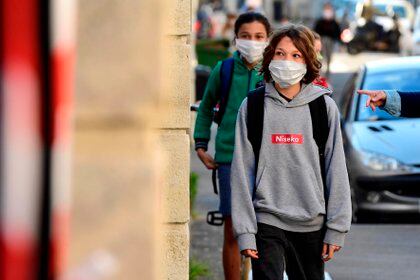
(289, 192)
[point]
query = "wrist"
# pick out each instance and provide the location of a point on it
(201, 143)
(201, 151)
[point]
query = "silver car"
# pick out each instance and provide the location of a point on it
(383, 152)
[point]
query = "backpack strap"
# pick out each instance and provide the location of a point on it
(320, 130)
(255, 120)
(226, 74)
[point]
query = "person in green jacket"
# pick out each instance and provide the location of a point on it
(251, 38)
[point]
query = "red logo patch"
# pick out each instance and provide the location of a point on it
(287, 139)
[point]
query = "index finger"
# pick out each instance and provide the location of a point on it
(253, 254)
(331, 252)
(366, 92)
(324, 249)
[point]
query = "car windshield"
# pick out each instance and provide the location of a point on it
(404, 80)
(398, 10)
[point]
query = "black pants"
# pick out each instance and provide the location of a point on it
(300, 250)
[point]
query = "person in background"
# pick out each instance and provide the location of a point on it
(228, 30)
(203, 26)
(397, 103)
(251, 38)
(321, 81)
(329, 29)
(284, 20)
(252, 6)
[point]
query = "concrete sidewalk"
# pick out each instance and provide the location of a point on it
(206, 241)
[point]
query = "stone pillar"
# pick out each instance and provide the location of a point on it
(174, 136)
(131, 146)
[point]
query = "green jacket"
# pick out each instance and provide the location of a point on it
(243, 80)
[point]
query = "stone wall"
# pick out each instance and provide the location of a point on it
(174, 136)
(131, 146)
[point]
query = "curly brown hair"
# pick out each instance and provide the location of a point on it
(303, 39)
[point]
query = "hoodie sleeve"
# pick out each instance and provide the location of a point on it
(337, 181)
(393, 103)
(205, 111)
(242, 184)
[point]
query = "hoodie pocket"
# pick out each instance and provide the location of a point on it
(290, 191)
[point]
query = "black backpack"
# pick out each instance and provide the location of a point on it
(226, 74)
(255, 121)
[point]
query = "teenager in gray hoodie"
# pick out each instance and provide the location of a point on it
(280, 212)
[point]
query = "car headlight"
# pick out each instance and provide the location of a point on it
(383, 163)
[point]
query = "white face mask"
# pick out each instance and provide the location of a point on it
(251, 50)
(287, 73)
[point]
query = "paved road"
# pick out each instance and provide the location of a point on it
(372, 251)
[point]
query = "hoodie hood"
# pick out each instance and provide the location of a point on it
(308, 93)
